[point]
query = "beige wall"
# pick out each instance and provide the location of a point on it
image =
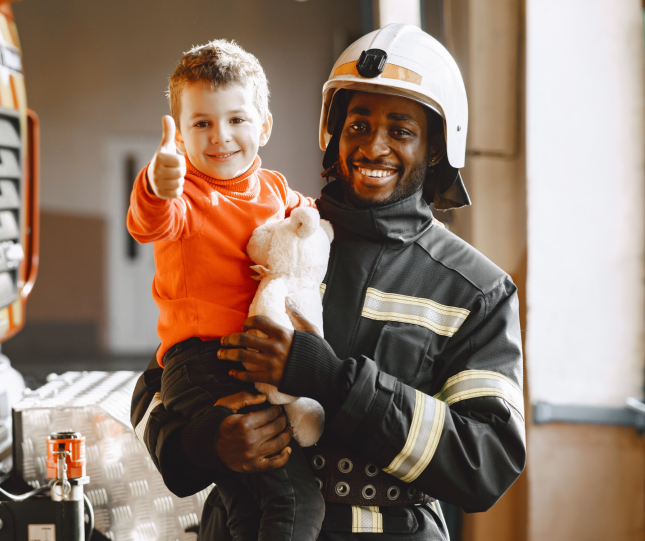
(71, 269)
(487, 40)
(587, 483)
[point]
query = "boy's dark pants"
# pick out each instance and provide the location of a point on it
(283, 504)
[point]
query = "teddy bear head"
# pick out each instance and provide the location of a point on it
(297, 246)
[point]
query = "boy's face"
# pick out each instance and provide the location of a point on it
(220, 129)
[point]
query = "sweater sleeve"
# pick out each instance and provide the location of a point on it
(153, 219)
(296, 199)
(464, 445)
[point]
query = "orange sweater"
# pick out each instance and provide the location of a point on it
(203, 284)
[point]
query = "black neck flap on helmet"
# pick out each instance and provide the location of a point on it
(443, 186)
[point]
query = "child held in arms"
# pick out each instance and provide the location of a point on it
(200, 210)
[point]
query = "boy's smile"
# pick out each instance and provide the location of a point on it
(220, 129)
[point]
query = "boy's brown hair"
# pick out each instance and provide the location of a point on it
(219, 63)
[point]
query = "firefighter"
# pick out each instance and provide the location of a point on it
(420, 371)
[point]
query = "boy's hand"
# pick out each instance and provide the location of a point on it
(237, 401)
(167, 169)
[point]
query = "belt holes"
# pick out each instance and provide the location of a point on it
(393, 493)
(412, 492)
(345, 465)
(319, 483)
(318, 462)
(371, 470)
(342, 488)
(369, 492)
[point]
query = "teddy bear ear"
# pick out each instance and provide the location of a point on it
(304, 221)
(328, 229)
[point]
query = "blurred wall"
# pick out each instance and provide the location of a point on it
(98, 70)
(586, 317)
(586, 135)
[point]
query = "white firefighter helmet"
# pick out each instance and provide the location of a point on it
(402, 60)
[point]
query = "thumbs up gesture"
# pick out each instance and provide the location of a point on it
(167, 169)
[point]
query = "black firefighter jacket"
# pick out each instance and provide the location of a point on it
(423, 377)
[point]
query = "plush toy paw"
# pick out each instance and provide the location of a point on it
(307, 419)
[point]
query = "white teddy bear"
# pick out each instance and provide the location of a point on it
(291, 259)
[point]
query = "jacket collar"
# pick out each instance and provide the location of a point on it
(402, 222)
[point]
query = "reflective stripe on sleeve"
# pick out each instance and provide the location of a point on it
(478, 383)
(140, 430)
(366, 519)
(422, 440)
(440, 319)
(323, 288)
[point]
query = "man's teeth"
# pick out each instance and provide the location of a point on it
(378, 173)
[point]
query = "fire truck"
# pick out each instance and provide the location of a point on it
(19, 211)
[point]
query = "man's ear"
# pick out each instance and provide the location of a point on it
(437, 148)
(267, 126)
(179, 141)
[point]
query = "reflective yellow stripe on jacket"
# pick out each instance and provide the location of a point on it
(477, 383)
(366, 519)
(422, 440)
(440, 319)
(430, 412)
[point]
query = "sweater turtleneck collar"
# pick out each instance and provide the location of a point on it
(401, 222)
(246, 186)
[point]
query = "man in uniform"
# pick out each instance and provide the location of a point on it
(420, 374)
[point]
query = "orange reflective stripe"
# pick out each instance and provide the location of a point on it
(346, 69)
(391, 71)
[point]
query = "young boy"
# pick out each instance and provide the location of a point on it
(200, 213)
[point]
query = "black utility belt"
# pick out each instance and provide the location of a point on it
(347, 478)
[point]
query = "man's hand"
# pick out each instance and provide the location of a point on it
(268, 356)
(245, 442)
(167, 169)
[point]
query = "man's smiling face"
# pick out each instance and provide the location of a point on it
(383, 149)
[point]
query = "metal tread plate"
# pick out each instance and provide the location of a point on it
(131, 502)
